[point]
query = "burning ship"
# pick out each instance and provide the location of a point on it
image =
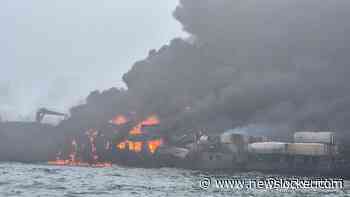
(140, 144)
(120, 141)
(210, 78)
(135, 141)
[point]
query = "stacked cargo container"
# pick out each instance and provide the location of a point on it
(312, 151)
(268, 148)
(313, 144)
(267, 156)
(237, 144)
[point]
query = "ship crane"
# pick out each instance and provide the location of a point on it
(40, 114)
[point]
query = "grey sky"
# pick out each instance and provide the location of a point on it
(53, 53)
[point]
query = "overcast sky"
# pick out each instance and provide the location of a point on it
(53, 53)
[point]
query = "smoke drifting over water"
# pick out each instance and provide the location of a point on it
(280, 64)
(277, 65)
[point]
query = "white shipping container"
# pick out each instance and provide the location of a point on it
(314, 137)
(310, 149)
(268, 148)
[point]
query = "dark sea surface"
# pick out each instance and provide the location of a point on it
(43, 180)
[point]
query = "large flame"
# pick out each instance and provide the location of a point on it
(74, 159)
(150, 121)
(153, 145)
(137, 146)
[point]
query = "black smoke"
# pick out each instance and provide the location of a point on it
(265, 67)
(272, 66)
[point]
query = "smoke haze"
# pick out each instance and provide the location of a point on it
(52, 54)
(281, 65)
(268, 66)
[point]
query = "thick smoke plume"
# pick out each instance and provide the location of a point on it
(274, 66)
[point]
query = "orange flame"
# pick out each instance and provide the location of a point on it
(136, 130)
(136, 146)
(153, 145)
(119, 120)
(150, 121)
(122, 145)
(73, 159)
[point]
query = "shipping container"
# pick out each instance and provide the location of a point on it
(268, 148)
(310, 149)
(314, 137)
(232, 137)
